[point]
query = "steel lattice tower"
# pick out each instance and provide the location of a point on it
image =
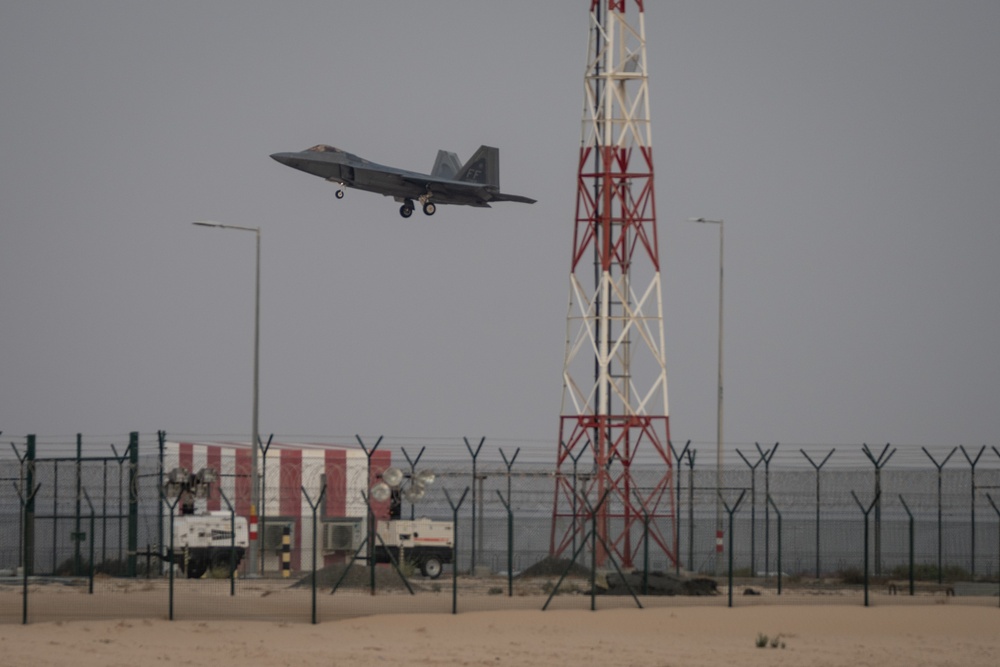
(614, 427)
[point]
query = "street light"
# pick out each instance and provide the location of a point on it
(718, 426)
(255, 433)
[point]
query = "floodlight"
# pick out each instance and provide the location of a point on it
(207, 476)
(178, 476)
(424, 477)
(381, 492)
(414, 492)
(393, 477)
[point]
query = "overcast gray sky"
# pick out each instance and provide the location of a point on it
(852, 147)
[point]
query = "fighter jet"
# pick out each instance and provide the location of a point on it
(475, 183)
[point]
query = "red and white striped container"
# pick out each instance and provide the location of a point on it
(289, 467)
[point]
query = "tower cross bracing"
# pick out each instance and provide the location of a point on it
(614, 423)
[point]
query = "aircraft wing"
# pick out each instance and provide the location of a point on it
(462, 192)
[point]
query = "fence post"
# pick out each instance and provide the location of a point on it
(753, 511)
(474, 455)
(90, 584)
(972, 505)
(510, 520)
(370, 538)
(866, 512)
(161, 437)
(677, 508)
(232, 543)
(691, 456)
(879, 463)
(173, 557)
(133, 502)
(645, 542)
(731, 512)
(77, 556)
(818, 468)
(314, 506)
(909, 514)
(454, 563)
(262, 501)
(940, 522)
(767, 456)
(27, 498)
(29, 509)
(510, 543)
(770, 501)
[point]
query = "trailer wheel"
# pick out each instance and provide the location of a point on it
(196, 568)
(431, 567)
(221, 568)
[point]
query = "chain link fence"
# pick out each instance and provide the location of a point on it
(82, 530)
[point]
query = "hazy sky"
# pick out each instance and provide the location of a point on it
(852, 147)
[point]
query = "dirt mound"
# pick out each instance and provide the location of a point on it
(554, 567)
(357, 577)
(659, 583)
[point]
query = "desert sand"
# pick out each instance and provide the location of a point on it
(688, 636)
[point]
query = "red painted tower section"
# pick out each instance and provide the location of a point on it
(613, 464)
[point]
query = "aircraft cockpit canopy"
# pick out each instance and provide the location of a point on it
(323, 148)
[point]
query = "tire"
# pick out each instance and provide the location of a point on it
(196, 568)
(340, 194)
(221, 568)
(429, 208)
(431, 567)
(406, 211)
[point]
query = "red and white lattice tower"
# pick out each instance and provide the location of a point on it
(614, 429)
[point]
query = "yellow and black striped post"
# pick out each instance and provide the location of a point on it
(286, 551)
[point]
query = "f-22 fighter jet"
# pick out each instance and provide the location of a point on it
(475, 183)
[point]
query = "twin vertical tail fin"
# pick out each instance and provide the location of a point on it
(482, 168)
(446, 165)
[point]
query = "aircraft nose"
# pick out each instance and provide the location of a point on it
(284, 158)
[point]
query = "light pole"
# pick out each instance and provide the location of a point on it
(254, 433)
(718, 426)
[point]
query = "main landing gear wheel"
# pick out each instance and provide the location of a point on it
(340, 194)
(429, 208)
(406, 210)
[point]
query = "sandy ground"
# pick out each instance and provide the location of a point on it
(689, 636)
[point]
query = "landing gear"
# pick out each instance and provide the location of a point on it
(340, 194)
(406, 210)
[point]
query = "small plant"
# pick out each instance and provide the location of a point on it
(763, 641)
(851, 576)
(407, 568)
(495, 590)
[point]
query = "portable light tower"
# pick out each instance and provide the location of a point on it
(614, 375)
